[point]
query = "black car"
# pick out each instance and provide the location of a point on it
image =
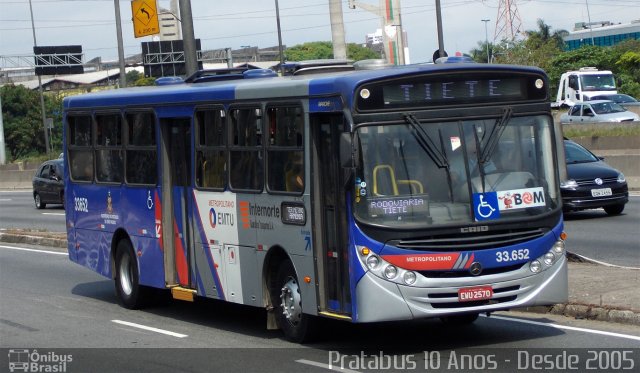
(618, 98)
(592, 183)
(48, 184)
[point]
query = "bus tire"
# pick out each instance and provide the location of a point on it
(286, 298)
(38, 201)
(130, 293)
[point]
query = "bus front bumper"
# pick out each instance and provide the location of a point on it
(382, 300)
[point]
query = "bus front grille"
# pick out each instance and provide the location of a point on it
(479, 241)
(458, 274)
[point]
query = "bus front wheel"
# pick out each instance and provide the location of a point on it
(128, 289)
(286, 298)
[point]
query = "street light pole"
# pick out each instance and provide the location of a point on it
(439, 26)
(281, 52)
(188, 38)
(590, 25)
(486, 38)
(44, 116)
(123, 74)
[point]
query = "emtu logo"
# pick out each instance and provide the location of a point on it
(244, 214)
(213, 218)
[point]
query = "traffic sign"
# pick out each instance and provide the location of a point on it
(145, 18)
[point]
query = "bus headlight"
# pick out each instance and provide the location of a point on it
(373, 261)
(409, 278)
(558, 248)
(549, 258)
(383, 269)
(390, 272)
(535, 266)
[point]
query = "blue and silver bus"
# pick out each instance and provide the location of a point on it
(363, 195)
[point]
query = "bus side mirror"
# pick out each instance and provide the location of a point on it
(346, 149)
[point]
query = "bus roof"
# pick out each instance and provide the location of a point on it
(327, 84)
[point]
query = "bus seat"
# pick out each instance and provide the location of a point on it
(211, 175)
(414, 185)
(384, 185)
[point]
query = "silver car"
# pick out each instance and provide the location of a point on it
(598, 111)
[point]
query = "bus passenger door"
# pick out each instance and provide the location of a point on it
(176, 182)
(329, 214)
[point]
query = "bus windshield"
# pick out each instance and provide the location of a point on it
(418, 174)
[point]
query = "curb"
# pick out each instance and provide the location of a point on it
(587, 312)
(33, 240)
(575, 310)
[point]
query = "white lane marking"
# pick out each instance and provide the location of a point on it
(325, 366)
(149, 328)
(603, 263)
(5, 199)
(558, 326)
(33, 250)
(53, 213)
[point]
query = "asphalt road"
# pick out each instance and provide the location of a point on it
(609, 239)
(57, 307)
(17, 210)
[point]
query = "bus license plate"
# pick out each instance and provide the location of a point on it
(477, 293)
(601, 192)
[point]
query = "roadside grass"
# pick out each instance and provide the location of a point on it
(601, 130)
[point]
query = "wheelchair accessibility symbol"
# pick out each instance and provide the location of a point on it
(485, 206)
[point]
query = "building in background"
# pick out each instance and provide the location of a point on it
(604, 34)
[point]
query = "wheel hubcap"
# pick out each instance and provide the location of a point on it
(126, 275)
(290, 301)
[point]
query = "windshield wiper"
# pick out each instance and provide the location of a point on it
(495, 135)
(425, 142)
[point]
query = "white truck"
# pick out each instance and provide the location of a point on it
(581, 85)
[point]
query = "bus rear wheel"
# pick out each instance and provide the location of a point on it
(130, 294)
(286, 297)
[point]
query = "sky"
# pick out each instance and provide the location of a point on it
(238, 23)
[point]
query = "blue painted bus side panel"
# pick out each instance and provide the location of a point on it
(96, 211)
(141, 220)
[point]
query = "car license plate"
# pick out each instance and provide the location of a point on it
(476, 293)
(601, 192)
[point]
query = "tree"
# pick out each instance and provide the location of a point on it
(24, 132)
(479, 54)
(132, 76)
(322, 50)
(537, 49)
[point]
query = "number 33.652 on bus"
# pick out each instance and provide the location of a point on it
(361, 195)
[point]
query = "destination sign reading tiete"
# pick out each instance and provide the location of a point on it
(447, 90)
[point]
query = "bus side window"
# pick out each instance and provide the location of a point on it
(210, 149)
(285, 151)
(80, 152)
(245, 153)
(108, 148)
(142, 159)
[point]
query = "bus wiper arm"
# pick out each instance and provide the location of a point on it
(425, 141)
(495, 135)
